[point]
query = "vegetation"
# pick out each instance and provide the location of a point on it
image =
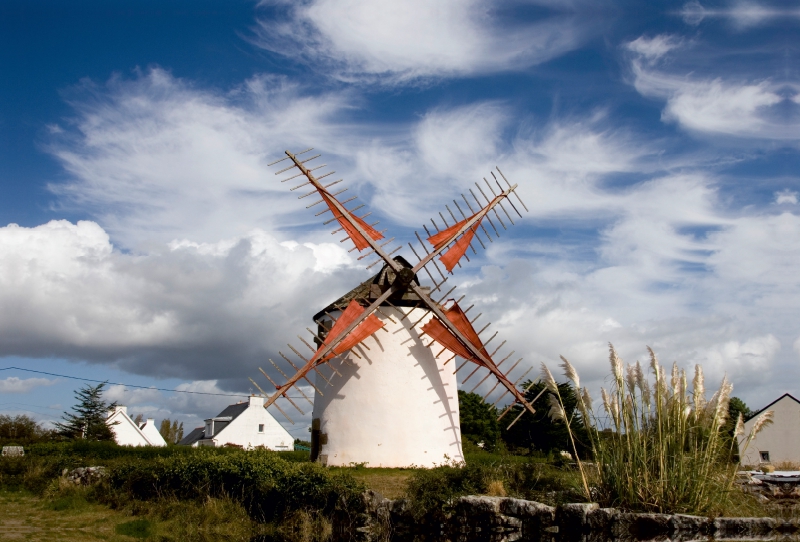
(537, 432)
(21, 430)
(88, 418)
(171, 431)
(478, 421)
(665, 449)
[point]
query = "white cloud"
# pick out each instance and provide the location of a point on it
(786, 196)
(418, 39)
(13, 384)
(717, 106)
(743, 15)
(157, 159)
(655, 47)
(189, 311)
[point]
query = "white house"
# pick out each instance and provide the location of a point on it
(246, 424)
(129, 433)
(779, 441)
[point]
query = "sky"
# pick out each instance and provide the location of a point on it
(145, 241)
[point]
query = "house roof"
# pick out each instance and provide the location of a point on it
(372, 288)
(233, 411)
(789, 395)
(195, 435)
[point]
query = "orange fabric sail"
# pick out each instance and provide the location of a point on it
(438, 332)
(359, 240)
(363, 330)
(452, 255)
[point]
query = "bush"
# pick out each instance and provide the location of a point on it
(267, 486)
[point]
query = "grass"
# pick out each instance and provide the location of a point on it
(665, 449)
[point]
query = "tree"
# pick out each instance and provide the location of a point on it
(88, 418)
(478, 420)
(172, 431)
(138, 419)
(538, 431)
(735, 407)
(20, 428)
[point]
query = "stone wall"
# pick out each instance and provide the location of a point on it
(503, 518)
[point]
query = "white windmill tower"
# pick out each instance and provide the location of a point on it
(385, 394)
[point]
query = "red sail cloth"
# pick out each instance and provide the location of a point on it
(452, 256)
(363, 330)
(359, 240)
(438, 332)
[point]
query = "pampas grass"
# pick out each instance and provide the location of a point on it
(659, 447)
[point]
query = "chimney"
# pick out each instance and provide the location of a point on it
(256, 401)
(118, 408)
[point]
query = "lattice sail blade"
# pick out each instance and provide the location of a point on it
(346, 223)
(370, 325)
(436, 330)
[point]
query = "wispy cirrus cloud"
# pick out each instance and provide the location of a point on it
(742, 15)
(729, 106)
(386, 42)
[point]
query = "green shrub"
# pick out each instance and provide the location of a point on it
(262, 481)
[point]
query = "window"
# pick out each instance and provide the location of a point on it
(261, 428)
(764, 456)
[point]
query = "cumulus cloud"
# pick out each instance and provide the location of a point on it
(398, 42)
(13, 384)
(191, 311)
(786, 196)
(209, 290)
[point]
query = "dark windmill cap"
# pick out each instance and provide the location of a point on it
(371, 289)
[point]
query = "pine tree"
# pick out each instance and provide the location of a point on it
(88, 417)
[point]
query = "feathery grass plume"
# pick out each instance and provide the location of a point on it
(557, 413)
(548, 379)
(570, 372)
(698, 389)
(662, 441)
(762, 421)
(616, 364)
(586, 398)
(739, 431)
(675, 378)
(630, 377)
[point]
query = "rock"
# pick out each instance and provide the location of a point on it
(650, 526)
(85, 475)
(743, 527)
(601, 522)
(573, 519)
(685, 525)
(534, 517)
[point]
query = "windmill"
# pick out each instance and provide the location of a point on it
(385, 356)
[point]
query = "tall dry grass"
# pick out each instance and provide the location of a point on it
(662, 448)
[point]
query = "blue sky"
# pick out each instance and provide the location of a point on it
(145, 241)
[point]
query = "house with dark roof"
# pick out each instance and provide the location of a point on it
(246, 424)
(778, 442)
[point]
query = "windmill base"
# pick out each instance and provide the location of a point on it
(396, 406)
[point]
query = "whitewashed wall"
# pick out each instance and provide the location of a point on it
(781, 439)
(243, 430)
(395, 407)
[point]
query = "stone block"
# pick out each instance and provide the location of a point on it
(685, 525)
(743, 527)
(573, 519)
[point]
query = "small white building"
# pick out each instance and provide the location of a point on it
(778, 442)
(246, 424)
(129, 433)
